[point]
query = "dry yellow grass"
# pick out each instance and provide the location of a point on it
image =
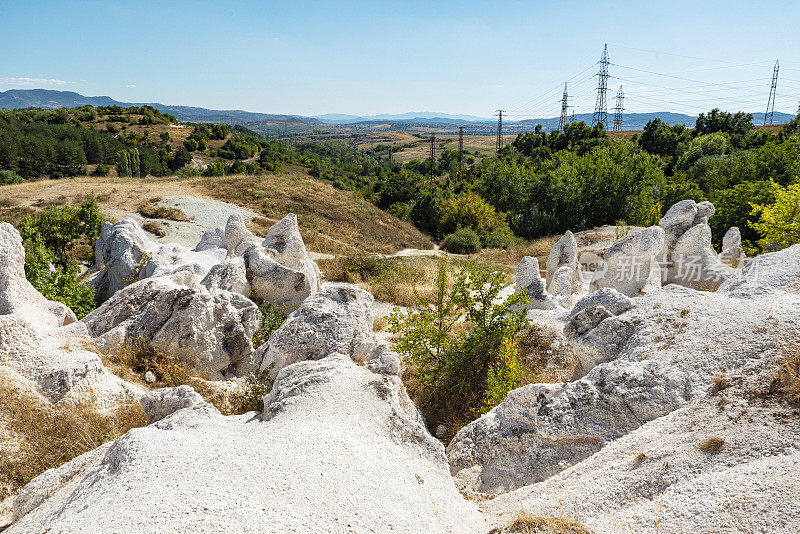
(151, 210)
(330, 220)
(527, 523)
(712, 444)
(49, 436)
(508, 258)
(790, 370)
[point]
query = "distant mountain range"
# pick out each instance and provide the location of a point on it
(50, 99)
(415, 116)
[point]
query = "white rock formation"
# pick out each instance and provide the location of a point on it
(54, 360)
(688, 258)
(657, 356)
(632, 263)
(277, 269)
(732, 252)
(657, 479)
(527, 278)
(124, 255)
(340, 448)
(336, 319)
(175, 315)
(565, 254)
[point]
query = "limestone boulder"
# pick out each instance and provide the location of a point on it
(339, 448)
(773, 272)
(124, 255)
(17, 295)
(732, 252)
(161, 403)
(176, 316)
(561, 286)
(42, 346)
(565, 253)
(688, 258)
(230, 275)
(659, 478)
(528, 279)
(336, 319)
(632, 263)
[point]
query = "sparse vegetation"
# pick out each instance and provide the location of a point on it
(461, 346)
(152, 210)
(527, 523)
(712, 444)
(720, 382)
(271, 318)
(49, 436)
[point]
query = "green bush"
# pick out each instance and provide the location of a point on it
(9, 177)
(188, 172)
(462, 372)
(215, 169)
(190, 144)
(271, 318)
(463, 241)
(102, 170)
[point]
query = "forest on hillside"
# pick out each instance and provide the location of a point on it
(541, 184)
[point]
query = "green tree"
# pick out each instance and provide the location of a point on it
(462, 372)
(779, 223)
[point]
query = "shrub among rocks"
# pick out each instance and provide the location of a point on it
(462, 241)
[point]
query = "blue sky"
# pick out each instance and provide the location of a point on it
(369, 57)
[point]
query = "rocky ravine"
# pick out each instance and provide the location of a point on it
(677, 423)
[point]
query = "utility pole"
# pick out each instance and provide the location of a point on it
(600, 113)
(433, 155)
(563, 120)
(499, 129)
(618, 109)
(772, 91)
(460, 145)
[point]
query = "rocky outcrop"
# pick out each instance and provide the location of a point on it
(732, 252)
(337, 319)
(632, 263)
(210, 329)
(528, 279)
(124, 255)
(277, 269)
(688, 258)
(340, 448)
(161, 403)
(667, 476)
(42, 346)
(564, 254)
(17, 295)
(641, 363)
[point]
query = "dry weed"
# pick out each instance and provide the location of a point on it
(527, 523)
(49, 436)
(712, 444)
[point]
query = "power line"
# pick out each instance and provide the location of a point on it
(618, 109)
(600, 114)
(563, 120)
(772, 90)
(499, 128)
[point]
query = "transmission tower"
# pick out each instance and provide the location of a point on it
(618, 109)
(499, 129)
(460, 144)
(433, 155)
(771, 101)
(600, 114)
(563, 120)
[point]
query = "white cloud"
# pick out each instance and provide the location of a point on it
(32, 81)
(499, 85)
(131, 85)
(641, 88)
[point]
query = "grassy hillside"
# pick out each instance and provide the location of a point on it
(331, 220)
